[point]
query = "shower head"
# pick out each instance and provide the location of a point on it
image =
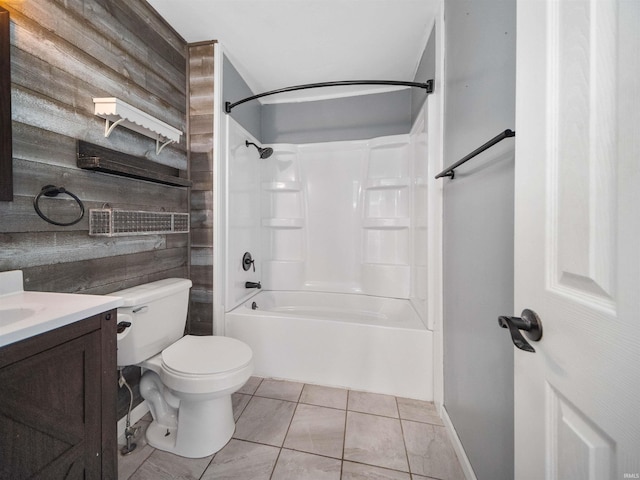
(264, 152)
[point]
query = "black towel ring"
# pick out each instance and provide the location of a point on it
(53, 191)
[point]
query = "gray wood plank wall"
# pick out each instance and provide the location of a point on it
(64, 53)
(201, 161)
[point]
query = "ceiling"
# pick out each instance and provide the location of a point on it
(279, 43)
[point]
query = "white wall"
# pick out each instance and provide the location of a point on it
(243, 233)
(478, 231)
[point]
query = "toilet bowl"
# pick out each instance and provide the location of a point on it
(187, 380)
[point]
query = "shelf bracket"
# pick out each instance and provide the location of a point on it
(160, 147)
(108, 129)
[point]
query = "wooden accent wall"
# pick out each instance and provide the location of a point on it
(200, 78)
(64, 53)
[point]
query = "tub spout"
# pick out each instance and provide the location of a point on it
(252, 285)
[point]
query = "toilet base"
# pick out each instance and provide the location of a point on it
(204, 427)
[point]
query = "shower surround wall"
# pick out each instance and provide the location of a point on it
(342, 217)
(335, 217)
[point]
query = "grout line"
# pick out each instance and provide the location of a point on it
(285, 437)
(275, 398)
(243, 408)
(300, 394)
(404, 440)
(311, 453)
(344, 435)
(211, 461)
(289, 427)
(386, 468)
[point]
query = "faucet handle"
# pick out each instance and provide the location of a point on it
(252, 285)
(248, 262)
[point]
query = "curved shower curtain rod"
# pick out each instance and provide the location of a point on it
(428, 86)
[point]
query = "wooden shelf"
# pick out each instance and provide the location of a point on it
(101, 159)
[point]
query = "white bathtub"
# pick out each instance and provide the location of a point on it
(359, 342)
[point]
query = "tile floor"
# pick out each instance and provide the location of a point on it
(295, 431)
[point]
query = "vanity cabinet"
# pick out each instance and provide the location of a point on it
(58, 403)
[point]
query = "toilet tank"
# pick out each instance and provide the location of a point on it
(158, 314)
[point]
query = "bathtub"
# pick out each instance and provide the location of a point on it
(360, 342)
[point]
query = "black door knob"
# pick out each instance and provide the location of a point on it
(529, 322)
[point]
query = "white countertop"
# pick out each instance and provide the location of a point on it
(26, 314)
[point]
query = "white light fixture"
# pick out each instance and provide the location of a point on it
(121, 113)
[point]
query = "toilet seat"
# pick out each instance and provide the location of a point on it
(206, 364)
(205, 355)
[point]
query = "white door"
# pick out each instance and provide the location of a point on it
(577, 234)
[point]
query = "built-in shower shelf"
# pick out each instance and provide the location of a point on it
(386, 223)
(281, 186)
(387, 183)
(283, 222)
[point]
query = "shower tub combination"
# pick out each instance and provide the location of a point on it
(338, 233)
(360, 342)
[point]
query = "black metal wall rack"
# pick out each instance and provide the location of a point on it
(449, 171)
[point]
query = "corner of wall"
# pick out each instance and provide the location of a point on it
(200, 80)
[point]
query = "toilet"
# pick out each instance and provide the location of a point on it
(187, 380)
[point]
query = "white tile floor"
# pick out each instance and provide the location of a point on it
(293, 431)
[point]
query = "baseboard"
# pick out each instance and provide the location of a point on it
(136, 414)
(469, 474)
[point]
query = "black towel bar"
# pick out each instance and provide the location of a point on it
(449, 171)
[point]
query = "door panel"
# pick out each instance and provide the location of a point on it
(577, 447)
(577, 260)
(582, 149)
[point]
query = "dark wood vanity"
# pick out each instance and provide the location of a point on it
(58, 403)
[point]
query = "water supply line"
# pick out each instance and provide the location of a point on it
(129, 431)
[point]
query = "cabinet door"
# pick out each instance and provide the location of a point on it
(50, 410)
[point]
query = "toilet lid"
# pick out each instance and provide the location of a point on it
(207, 355)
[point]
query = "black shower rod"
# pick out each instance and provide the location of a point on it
(428, 86)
